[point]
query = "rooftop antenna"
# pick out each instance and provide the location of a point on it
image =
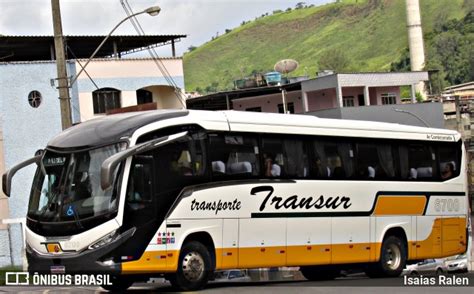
(285, 66)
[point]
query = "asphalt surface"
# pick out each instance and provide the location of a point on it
(356, 284)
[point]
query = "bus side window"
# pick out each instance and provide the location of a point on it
(182, 163)
(284, 157)
(417, 162)
(375, 161)
(233, 155)
(140, 186)
(332, 159)
(448, 161)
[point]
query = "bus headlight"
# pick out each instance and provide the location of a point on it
(104, 240)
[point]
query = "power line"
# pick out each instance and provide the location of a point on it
(159, 63)
(90, 78)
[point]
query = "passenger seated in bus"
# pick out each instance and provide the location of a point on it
(424, 172)
(413, 174)
(271, 168)
(448, 171)
(218, 167)
(338, 172)
(370, 172)
(181, 163)
(320, 170)
(243, 167)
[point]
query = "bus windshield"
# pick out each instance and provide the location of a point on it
(68, 188)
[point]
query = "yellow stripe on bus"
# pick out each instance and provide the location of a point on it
(447, 237)
(400, 205)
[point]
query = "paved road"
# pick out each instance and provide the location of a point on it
(351, 285)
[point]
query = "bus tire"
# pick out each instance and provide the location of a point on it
(194, 267)
(393, 258)
(314, 273)
(119, 284)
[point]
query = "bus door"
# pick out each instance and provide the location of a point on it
(140, 207)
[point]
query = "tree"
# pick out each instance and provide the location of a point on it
(212, 88)
(449, 52)
(336, 60)
(192, 48)
(299, 5)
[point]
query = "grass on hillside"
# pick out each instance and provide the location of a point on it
(372, 33)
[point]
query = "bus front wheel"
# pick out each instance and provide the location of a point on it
(393, 257)
(194, 267)
(118, 284)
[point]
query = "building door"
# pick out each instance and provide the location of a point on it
(361, 99)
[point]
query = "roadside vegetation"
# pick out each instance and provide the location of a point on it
(347, 35)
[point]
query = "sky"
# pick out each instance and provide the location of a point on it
(200, 20)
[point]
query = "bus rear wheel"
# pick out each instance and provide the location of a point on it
(194, 267)
(393, 257)
(314, 273)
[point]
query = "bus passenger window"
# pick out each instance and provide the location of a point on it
(233, 155)
(284, 157)
(140, 186)
(448, 161)
(182, 163)
(417, 162)
(333, 159)
(375, 161)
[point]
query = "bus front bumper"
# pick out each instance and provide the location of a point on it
(89, 261)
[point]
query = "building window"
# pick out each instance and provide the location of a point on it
(105, 99)
(290, 108)
(144, 96)
(348, 101)
(254, 109)
(34, 98)
(389, 98)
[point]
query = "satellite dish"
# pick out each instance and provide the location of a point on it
(286, 66)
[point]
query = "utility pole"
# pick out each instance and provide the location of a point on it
(63, 84)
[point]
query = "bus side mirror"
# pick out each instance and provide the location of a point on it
(110, 164)
(8, 175)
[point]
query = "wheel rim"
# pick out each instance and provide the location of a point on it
(193, 266)
(393, 257)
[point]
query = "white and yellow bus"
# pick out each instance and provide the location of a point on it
(185, 193)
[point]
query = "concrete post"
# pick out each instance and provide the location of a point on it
(283, 97)
(227, 101)
(458, 115)
(63, 86)
(366, 96)
(415, 41)
(339, 95)
(413, 93)
(304, 100)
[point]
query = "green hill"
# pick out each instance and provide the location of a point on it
(369, 34)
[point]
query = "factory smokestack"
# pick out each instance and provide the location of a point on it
(415, 40)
